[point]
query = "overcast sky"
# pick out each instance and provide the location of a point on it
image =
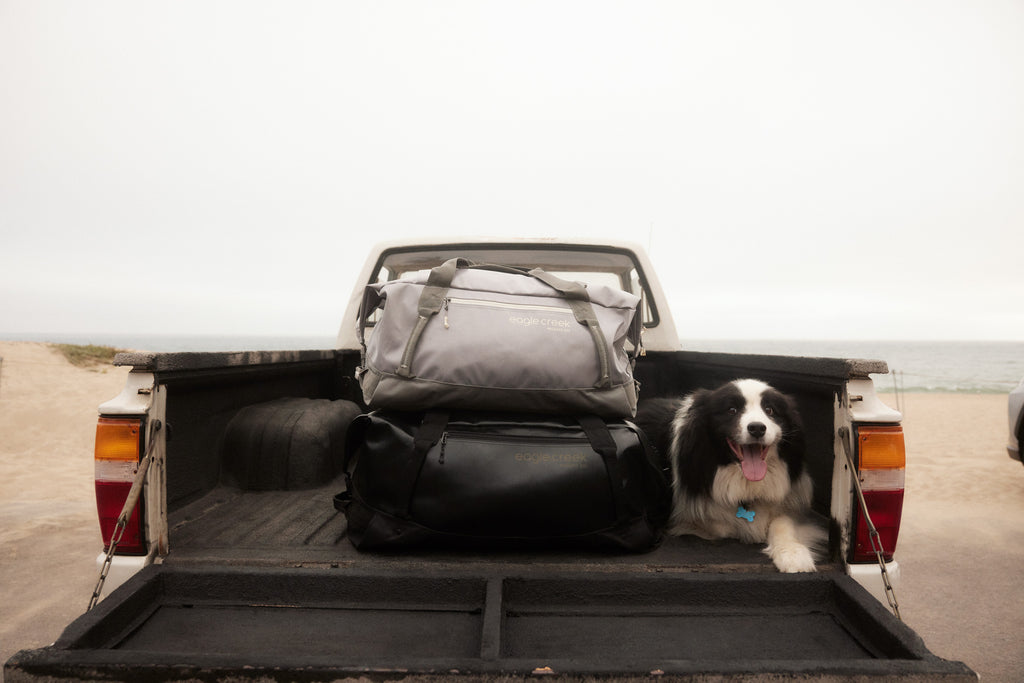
(799, 170)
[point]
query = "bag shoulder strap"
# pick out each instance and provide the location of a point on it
(440, 279)
(367, 305)
(568, 288)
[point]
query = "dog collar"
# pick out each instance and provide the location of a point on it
(744, 513)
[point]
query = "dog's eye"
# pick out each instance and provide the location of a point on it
(733, 411)
(769, 411)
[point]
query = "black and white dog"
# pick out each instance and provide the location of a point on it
(736, 455)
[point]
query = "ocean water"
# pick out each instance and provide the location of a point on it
(915, 366)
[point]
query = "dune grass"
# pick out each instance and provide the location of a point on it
(87, 355)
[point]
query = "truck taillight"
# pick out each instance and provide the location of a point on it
(882, 464)
(118, 446)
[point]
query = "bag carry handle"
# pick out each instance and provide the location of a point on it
(353, 438)
(407, 478)
(440, 280)
(601, 441)
(431, 429)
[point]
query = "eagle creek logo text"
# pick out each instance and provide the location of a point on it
(553, 324)
(557, 459)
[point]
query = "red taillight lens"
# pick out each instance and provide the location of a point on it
(882, 457)
(110, 497)
(118, 444)
(886, 508)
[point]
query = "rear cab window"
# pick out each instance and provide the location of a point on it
(591, 265)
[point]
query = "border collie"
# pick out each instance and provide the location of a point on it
(736, 457)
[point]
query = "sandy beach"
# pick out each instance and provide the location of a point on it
(961, 546)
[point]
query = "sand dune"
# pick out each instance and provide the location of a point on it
(961, 548)
(49, 536)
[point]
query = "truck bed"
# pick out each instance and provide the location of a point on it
(302, 528)
(264, 584)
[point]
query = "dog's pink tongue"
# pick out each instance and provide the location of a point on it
(753, 462)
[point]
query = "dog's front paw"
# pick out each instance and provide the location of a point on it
(792, 558)
(787, 548)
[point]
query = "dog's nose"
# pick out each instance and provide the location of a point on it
(757, 429)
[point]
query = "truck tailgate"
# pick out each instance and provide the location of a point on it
(322, 623)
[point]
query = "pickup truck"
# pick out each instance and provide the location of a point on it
(232, 566)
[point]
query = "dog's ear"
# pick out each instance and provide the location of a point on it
(793, 445)
(694, 460)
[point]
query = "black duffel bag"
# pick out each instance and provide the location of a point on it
(482, 481)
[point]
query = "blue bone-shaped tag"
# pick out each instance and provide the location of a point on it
(746, 514)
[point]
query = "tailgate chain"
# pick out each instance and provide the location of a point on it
(876, 542)
(134, 493)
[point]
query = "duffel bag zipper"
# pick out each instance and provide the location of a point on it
(444, 442)
(484, 303)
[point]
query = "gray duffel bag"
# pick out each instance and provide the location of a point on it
(483, 337)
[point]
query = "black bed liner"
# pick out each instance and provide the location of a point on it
(211, 622)
(292, 528)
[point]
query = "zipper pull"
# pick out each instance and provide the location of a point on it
(447, 299)
(444, 441)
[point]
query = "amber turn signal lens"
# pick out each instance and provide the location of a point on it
(882, 448)
(117, 439)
